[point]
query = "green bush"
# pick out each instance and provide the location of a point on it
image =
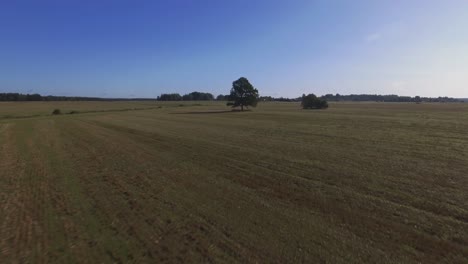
(56, 112)
(311, 101)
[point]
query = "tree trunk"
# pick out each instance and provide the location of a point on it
(242, 107)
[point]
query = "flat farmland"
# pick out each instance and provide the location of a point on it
(34, 109)
(144, 182)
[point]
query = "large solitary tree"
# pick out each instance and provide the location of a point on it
(243, 94)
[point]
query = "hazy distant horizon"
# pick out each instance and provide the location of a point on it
(125, 49)
(215, 95)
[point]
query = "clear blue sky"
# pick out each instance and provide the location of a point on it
(285, 48)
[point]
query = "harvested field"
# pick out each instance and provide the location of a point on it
(358, 182)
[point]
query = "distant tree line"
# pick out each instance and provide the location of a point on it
(279, 99)
(223, 97)
(20, 97)
(199, 96)
(37, 97)
(386, 98)
(365, 98)
(193, 96)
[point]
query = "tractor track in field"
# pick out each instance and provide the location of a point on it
(283, 194)
(138, 201)
(22, 231)
(301, 176)
(10, 186)
(62, 213)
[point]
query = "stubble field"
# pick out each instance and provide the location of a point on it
(148, 182)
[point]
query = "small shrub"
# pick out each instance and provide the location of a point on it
(56, 112)
(73, 112)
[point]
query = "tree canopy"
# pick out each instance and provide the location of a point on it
(193, 96)
(243, 94)
(170, 97)
(311, 101)
(198, 96)
(222, 97)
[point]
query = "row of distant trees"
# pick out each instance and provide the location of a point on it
(200, 96)
(37, 97)
(193, 96)
(20, 97)
(366, 98)
(279, 99)
(385, 98)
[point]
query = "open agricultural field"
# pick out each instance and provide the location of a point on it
(36, 109)
(358, 182)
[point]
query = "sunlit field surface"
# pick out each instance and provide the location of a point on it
(191, 182)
